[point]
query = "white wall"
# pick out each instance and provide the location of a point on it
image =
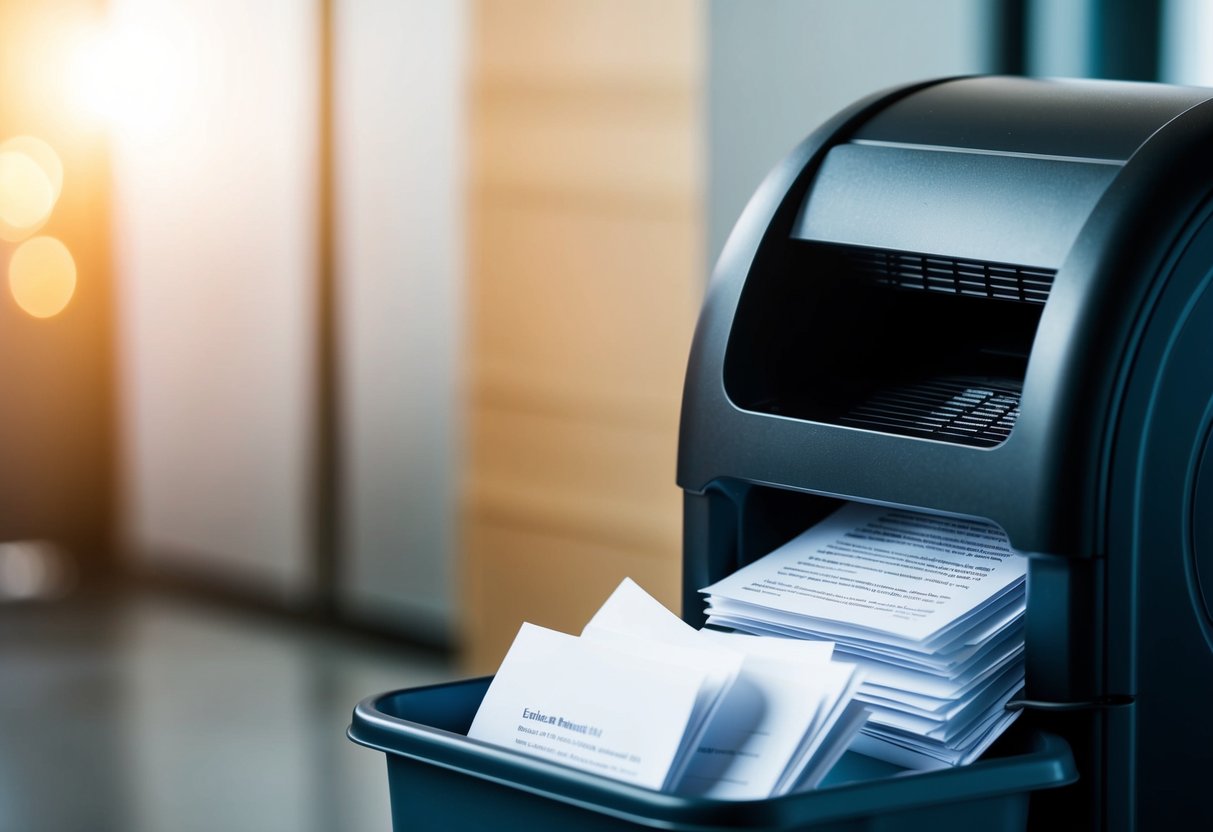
(1187, 42)
(215, 225)
(214, 182)
(1061, 38)
(778, 68)
(400, 150)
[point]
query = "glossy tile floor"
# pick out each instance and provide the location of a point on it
(156, 713)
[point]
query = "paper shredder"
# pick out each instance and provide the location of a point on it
(990, 297)
(985, 297)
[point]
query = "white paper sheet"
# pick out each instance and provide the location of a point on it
(755, 735)
(590, 706)
(841, 682)
(906, 575)
(953, 648)
(930, 608)
(772, 721)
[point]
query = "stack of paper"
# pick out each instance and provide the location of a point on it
(643, 697)
(930, 607)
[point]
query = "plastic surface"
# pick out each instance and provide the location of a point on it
(1106, 476)
(1043, 485)
(1046, 117)
(1011, 209)
(1202, 531)
(441, 780)
(1160, 636)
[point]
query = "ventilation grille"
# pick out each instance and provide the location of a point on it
(977, 278)
(978, 412)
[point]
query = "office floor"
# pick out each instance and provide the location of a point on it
(146, 713)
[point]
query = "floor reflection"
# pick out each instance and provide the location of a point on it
(149, 713)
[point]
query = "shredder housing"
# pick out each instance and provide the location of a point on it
(989, 297)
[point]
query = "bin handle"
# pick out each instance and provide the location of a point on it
(1103, 703)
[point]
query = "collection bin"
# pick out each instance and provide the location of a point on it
(984, 297)
(441, 780)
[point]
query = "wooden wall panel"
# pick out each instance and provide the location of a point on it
(585, 274)
(574, 475)
(583, 43)
(552, 580)
(627, 145)
(587, 303)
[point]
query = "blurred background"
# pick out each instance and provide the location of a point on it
(337, 337)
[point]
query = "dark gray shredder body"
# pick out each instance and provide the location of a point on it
(990, 297)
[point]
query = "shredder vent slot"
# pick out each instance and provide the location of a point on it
(936, 273)
(966, 411)
(887, 341)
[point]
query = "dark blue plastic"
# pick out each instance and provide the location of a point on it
(1105, 479)
(1042, 485)
(441, 780)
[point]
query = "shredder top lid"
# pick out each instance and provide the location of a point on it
(1043, 484)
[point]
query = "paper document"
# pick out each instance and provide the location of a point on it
(590, 706)
(643, 697)
(768, 729)
(930, 608)
(869, 568)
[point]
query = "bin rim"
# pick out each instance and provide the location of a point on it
(1047, 763)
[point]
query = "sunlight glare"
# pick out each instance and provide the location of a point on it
(131, 77)
(43, 154)
(27, 194)
(42, 276)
